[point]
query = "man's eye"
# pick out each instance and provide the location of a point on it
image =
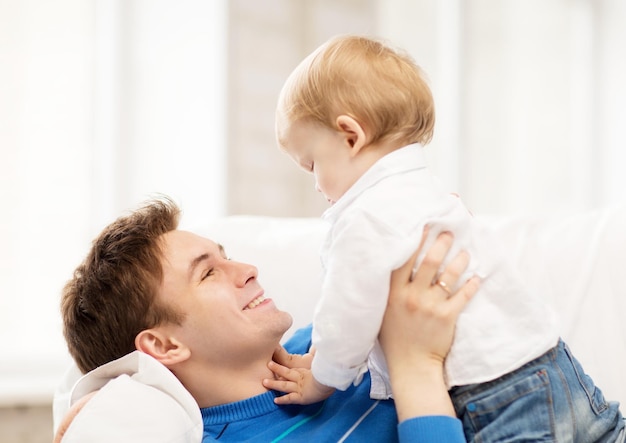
(207, 274)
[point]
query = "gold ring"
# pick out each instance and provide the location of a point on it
(444, 286)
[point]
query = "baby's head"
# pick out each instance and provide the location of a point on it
(381, 87)
(353, 91)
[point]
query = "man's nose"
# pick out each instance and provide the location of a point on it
(244, 272)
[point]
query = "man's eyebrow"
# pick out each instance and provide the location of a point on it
(196, 261)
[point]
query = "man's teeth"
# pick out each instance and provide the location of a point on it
(254, 303)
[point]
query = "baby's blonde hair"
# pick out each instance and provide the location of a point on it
(382, 88)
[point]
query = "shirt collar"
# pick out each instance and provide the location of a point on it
(407, 158)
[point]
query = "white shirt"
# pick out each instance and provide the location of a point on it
(375, 227)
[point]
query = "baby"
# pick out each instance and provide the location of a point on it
(356, 114)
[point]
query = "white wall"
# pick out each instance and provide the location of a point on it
(102, 104)
(530, 98)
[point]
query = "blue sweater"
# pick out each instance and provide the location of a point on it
(345, 416)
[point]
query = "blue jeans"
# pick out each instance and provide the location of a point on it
(549, 399)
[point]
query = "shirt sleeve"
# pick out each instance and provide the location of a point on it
(431, 429)
(358, 265)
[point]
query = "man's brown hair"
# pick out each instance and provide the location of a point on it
(112, 294)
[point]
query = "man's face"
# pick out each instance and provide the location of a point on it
(227, 318)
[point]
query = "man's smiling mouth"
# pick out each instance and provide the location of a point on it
(254, 303)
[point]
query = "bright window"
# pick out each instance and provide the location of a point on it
(103, 103)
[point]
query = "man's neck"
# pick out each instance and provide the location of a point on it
(216, 386)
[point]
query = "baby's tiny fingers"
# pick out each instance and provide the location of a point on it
(279, 385)
(279, 370)
(281, 356)
(287, 399)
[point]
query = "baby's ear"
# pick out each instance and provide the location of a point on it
(354, 134)
(162, 346)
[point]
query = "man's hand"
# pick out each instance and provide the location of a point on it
(419, 325)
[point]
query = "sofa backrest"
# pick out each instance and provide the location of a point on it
(577, 261)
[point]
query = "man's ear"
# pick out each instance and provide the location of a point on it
(353, 132)
(162, 346)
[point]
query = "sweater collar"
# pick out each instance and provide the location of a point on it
(241, 410)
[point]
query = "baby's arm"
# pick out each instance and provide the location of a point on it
(295, 379)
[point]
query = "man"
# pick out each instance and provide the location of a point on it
(185, 306)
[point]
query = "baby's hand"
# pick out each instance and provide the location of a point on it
(298, 384)
(284, 358)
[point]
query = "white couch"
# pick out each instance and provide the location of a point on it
(577, 261)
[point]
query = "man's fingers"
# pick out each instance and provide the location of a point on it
(462, 297)
(449, 277)
(406, 271)
(429, 268)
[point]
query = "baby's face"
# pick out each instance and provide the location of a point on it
(323, 152)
